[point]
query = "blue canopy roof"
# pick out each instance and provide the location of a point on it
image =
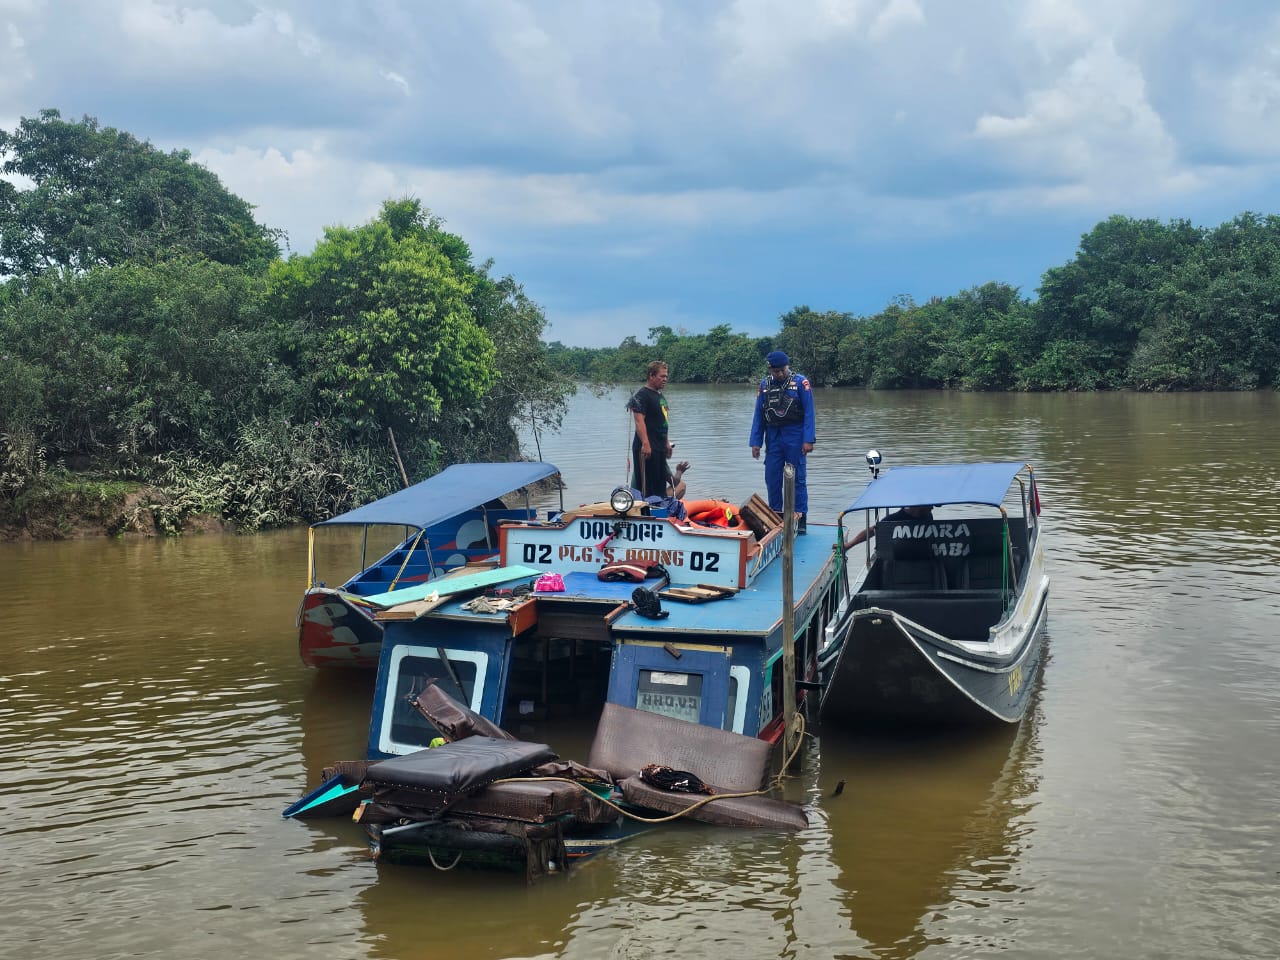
(937, 486)
(452, 491)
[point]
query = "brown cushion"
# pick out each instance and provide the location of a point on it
(435, 778)
(454, 719)
(755, 811)
(628, 739)
(534, 803)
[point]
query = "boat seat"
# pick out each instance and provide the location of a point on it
(907, 563)
(436, 778)
(981, 572)
(628, 739)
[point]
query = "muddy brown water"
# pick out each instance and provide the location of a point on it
(154, 721)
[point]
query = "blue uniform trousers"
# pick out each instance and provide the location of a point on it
(783, 445)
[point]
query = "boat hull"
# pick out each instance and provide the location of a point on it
(335, 632)
(885, 667)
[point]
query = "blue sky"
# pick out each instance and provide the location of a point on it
(692, 163)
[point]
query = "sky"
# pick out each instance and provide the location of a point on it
(689, 163)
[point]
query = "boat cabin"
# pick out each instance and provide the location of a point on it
(705, 645)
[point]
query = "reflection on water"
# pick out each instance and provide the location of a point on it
(922, 822)
(154, 721)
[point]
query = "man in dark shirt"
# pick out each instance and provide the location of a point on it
(650, 446)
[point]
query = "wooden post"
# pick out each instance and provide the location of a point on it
(791, 728)
(396, 450)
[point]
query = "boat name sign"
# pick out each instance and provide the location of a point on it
(588, 544)
(938, 533)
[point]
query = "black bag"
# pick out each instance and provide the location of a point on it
(677, 781)
(647, 604)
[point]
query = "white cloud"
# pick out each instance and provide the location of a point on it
(392, 77)
(1094, 127)
(199, 39)
(896, 14)
(656, 137)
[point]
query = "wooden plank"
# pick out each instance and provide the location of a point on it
(446, 586)
(699, 594)
(759, 517)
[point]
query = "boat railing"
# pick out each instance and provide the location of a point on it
(959, 614)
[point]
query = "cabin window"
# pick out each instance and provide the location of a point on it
(735, 714)
(403, 728)
(670, 694)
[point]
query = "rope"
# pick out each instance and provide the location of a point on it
(405, 562)
(782, 774)
(432, 857)
(626, 813)
(1004, 565)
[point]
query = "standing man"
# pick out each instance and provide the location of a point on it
(784, 424)
(650, 447)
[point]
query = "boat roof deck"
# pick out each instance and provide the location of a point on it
(757, 610)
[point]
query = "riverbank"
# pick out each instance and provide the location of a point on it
(87, 508)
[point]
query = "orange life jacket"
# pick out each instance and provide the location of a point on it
(716, 513)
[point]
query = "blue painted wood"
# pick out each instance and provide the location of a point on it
(447, 586)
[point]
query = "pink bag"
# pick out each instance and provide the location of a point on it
(549, 583)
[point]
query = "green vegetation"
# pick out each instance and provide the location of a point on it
(158, 357)
(1144, 305)
(160, 361)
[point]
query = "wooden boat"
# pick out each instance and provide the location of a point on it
(683, 670)
(448, 521)
(716, 662)
(942, 620)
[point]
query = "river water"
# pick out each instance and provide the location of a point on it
(154, 721)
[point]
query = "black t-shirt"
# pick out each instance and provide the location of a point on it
(653, 406)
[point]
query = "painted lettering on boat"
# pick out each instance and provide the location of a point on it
(544, 554)
(945, 539)
(1015, 680)
(933, 530)
(629, 530)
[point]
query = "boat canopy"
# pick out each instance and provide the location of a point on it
(454, 490)
(939, 485)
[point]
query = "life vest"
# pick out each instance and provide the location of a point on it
(780, 408)
(715, 513)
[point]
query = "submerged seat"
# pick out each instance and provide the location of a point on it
(436, 778)
(628, 739)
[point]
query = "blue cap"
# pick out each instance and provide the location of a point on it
(777, 359)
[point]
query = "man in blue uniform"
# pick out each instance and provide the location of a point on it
(784, 425)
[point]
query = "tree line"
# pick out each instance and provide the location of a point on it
(151, 333)
(1143, 305)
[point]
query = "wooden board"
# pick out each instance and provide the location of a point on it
(446, 586)
(759, 517)
(697, 594)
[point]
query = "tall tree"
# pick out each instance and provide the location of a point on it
(100, 197)
(379, 319)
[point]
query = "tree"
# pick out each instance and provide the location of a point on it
(1097, 305)
(143, 357)
(100, 197)
(378, 320)
(527, 383)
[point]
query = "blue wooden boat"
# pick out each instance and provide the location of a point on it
(682, 669)
(943, 618)
(713, 657)
(448, 521)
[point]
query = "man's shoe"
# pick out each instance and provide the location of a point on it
(802, 525)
